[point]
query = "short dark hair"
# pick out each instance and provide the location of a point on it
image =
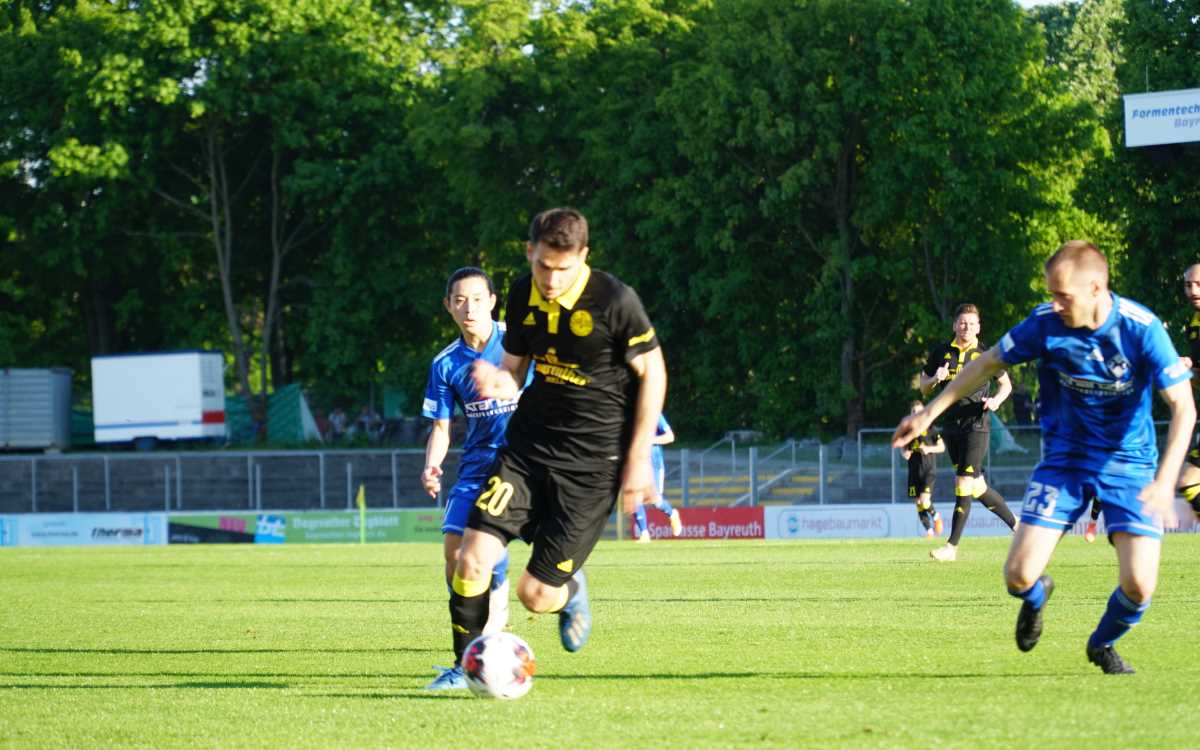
(1080, 254)
(560, 228)
(966, 307)
(467, 272)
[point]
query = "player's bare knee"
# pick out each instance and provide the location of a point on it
(1018, 577)
(1139, 590)
(471, 566)
(535, 595)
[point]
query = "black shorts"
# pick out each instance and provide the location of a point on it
(1193, 454)
(561, 513)
(920, 477)
(967, 451)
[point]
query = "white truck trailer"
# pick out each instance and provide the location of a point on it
(144, 397)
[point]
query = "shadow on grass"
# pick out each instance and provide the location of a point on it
(169, 651)
(404, 694)
(261, 600)
(166, 686)
(227, 675)
(802, 676)
(420, 695)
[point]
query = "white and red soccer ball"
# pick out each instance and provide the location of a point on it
(499, 665)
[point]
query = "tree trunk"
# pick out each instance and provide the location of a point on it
(843, 199)
(221, 217)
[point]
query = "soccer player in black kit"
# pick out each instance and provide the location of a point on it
(921, 455)
(965, 426)
(1189, 477)
(580, 436)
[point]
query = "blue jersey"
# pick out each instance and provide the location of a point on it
(1097, 386)
(656, 450)
(450, 383)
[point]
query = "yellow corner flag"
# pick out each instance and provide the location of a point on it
(362, 514)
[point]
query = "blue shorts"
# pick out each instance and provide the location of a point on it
(1056, 498)
(459, 501)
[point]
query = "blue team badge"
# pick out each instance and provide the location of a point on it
(1117, 365)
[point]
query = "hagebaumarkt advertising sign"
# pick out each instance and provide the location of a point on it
(1162, 117)
(82, 529)
(865, 521)
(305, 528)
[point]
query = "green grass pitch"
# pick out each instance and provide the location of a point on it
(695, 644)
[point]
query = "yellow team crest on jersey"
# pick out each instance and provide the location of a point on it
(529, 320)
(566, 566)
(581, 323)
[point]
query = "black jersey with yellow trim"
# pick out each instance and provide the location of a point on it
(967, 413)
(1193, 338)
(578, 412)
(927, 438)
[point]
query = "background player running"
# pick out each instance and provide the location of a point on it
(470, 300)
(1189, 478)
(966, 426)
(921, 455)
(580, 435)
(1100, 357)
(663, 435)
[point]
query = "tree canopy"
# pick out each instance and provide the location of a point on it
(800, 190)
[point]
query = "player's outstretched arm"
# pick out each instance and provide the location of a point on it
(1160, 494)
(501, 382)
(637, 478)
(436, 448)
(975, 374)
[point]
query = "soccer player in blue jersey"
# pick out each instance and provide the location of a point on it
(470, 300)
(1100, 356)
(663, 435)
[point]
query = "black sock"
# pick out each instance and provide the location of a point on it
(926, 519)
(994, 502)
(962, 509)
(1095, 510)
(468, 615)
(572, 587)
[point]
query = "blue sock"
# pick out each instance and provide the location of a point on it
(639, 520)
(1035, 594)
(1121, 615)
(500, 571)
(665, 507)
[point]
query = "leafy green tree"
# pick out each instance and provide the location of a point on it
(873, 168)
(1152, 191)
(85, 266)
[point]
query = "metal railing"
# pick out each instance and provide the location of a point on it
(866, 469)
(213, 480)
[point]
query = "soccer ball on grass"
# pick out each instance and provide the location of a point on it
(499, 665)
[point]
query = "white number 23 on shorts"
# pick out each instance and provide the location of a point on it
(1040, 499)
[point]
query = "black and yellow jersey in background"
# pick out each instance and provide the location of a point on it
(928, 438)
(967, 414)
(578, 412)
(1193, 337)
